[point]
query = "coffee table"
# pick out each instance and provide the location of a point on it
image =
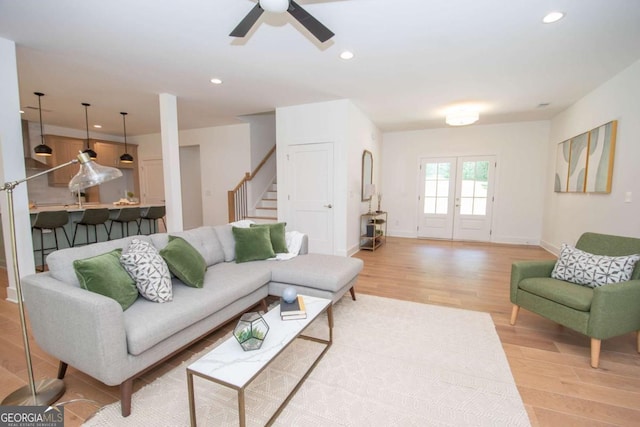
(229, 365)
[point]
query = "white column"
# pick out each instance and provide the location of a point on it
(171, 161)
(12, 167)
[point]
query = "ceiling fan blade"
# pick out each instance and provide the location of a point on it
(245, 25)
(314, 26)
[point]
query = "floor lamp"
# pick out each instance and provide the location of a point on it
(46, 391)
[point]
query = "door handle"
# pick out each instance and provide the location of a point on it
(328, 206)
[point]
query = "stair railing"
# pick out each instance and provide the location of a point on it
(237, 198)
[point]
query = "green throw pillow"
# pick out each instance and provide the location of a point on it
(252, 244)
(103, 274)
(184, 261)
(276, 233)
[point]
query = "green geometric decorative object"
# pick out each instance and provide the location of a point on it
(251, 331)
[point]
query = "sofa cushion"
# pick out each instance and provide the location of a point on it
(149, 270)
(584, 268)
(184, 261)
(225, 235)
(103, 274)
(224, 284)
(328, 272)
(252, 244)
(277, 235)
(204, 239)
(61, 262)
(565, 293)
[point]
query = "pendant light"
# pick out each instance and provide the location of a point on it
(92, 154)
(126, 157)
(43, 149)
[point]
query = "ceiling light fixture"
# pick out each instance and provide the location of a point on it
(97, 126)
(552, 17)
(92, 154)
(346, 55)
(126, 157)
(216, 81)
(275, 6)
(462, 117)
(43, 149)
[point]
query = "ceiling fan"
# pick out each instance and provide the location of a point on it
(314, 26)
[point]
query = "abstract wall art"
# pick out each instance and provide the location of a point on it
(584, 163)
(602, 142)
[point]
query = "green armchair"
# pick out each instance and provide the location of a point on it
(600, 313)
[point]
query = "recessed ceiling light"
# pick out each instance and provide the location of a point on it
(21, 111)
(552, 17)
(346, 55)
(97, 126)
(216, 81)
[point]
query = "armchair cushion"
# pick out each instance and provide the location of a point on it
(584, 268)
(565, 293)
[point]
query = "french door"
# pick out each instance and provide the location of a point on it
(456, 197)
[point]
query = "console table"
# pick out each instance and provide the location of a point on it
(373, 230)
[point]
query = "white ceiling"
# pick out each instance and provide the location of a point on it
(413, 58)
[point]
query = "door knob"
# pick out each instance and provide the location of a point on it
(328, 206)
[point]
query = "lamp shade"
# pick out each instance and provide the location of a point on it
(91, 174)
(276, 6)
(41, 149)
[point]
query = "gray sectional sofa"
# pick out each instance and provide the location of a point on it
(92, 333)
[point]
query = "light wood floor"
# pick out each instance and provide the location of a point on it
(550, 364)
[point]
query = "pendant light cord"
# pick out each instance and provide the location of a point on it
(124, 125)
(86, 120)
(40, 111)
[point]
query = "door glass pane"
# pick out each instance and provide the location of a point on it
(429, 205)
(431, 171)
(430, 188)
(466, 206)
(436, 188)
(479, 206)
(474, 188)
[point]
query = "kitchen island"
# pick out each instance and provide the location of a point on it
(75, 213)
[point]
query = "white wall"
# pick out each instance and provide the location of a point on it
(363, 135)
(262, 139)
(568, 215)
(350, 131)
(224, 159)
(521, 151)
(190, 177)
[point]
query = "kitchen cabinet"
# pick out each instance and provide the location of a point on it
(64, 150)
(109, 154)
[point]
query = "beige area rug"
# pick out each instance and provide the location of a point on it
(392, 363)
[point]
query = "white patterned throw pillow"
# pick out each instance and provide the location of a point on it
(151, 273)
(591, 270)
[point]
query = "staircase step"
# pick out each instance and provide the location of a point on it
(268, 203)
(263, 219)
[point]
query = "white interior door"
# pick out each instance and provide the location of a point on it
(152, 181)
(456, 198)
(311, 194)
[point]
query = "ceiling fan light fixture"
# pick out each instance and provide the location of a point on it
(462, 117)
(275, 6)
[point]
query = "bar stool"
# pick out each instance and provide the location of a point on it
(125, 216)
(92, 217)
(51, 220)
(152, 215)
